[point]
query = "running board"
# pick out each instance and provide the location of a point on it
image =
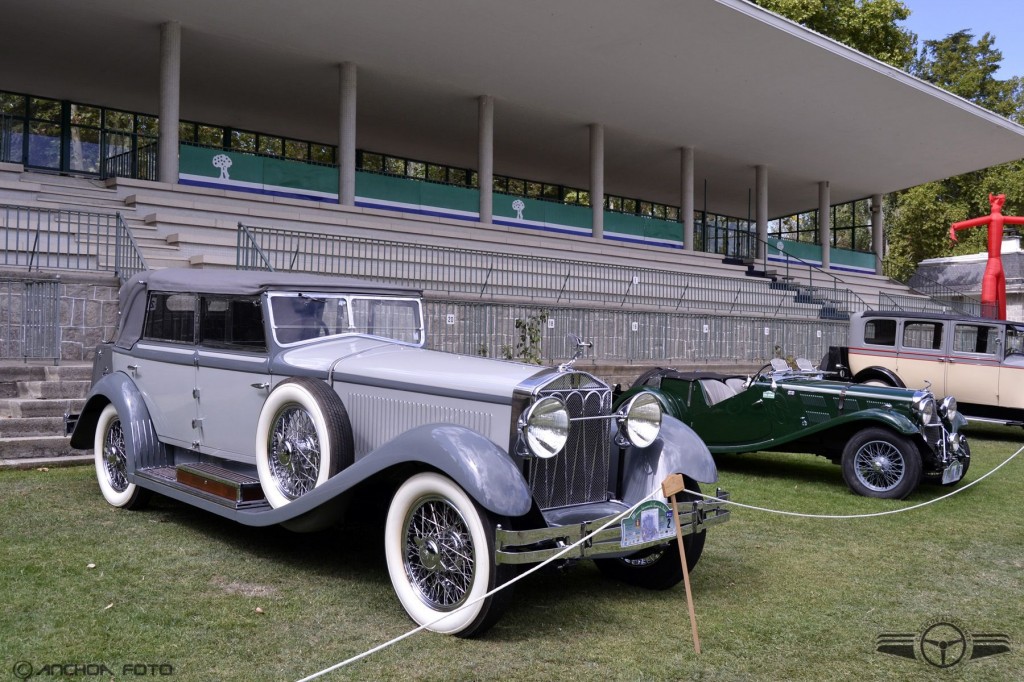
(992, 420)
(211, 482)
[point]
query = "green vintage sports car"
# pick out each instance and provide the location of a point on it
(887, 440)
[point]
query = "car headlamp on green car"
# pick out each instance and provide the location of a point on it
(947, 409)
(924, 407)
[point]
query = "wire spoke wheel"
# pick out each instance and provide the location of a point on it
(111, 450)
(115, 463)
(294, 452)
(877, 462)
(303, 437)
(439, 546)
(879, 465)
(439, 553)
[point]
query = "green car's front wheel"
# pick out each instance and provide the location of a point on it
(880, 463)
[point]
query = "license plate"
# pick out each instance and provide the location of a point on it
(953, 473)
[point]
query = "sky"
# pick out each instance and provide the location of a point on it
(1004, 19)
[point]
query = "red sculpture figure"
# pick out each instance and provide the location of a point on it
(993, 286)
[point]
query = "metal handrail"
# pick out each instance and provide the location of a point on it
(66, 239)
(128, 257)
(243, 238)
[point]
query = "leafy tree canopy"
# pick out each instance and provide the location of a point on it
(918, 219)
(865, 25)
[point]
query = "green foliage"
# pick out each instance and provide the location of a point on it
(531, 336)
(865, 25)
(967, 68)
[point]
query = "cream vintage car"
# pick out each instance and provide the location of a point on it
(980, 361)
(273, 398)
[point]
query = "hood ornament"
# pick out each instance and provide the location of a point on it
(581, 348)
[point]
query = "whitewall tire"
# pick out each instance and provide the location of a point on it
(110, 448)
(439, 546)
(303, 437)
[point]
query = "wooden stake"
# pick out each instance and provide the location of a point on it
(669, 487)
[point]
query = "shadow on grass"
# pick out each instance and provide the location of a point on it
(805, 468)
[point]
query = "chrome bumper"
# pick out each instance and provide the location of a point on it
(534, 546)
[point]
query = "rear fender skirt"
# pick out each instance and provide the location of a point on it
(677, 450)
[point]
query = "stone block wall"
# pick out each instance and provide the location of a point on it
(86, 308)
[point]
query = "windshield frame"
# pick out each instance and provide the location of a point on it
(303, 322)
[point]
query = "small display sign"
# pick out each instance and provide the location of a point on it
(652, 520)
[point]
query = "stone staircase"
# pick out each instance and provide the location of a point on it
(33, 400)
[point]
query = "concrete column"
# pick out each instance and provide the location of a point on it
(485, 154)
(170, 100)
(686, 204)
(825, 223)
(597, 180)
(761, 190)
(347, 134)
(877, 232)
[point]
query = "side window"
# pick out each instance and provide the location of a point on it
(880, 332)
(1014, 340)
(233, 323)
(922, 335)
(170, 317)
(973, 338)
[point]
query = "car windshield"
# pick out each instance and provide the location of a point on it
(298, 317)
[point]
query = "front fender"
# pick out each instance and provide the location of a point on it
(479, 466)
(677, 450)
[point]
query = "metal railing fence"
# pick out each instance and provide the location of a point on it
(945, 296)
(490, 274)
(140, 163)
(490, 330)
(39, 238)
(30, 320)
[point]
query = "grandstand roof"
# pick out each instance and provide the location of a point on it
(741, 85)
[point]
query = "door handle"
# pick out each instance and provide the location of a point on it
(261, 386)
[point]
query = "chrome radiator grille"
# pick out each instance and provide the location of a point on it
(579, 473)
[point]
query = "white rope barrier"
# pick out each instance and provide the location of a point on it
(563, 551)
(615, 519)
(866, 516)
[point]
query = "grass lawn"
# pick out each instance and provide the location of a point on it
(777, 598)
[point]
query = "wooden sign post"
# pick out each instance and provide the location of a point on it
(669, 487)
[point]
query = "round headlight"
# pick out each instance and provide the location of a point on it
(546, 427)
(640, 420)
(924, 404)
(948, 408)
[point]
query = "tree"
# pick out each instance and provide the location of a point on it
(869, 26)
(967, 68)
(918, 219)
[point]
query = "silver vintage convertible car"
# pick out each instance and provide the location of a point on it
(273, 398)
